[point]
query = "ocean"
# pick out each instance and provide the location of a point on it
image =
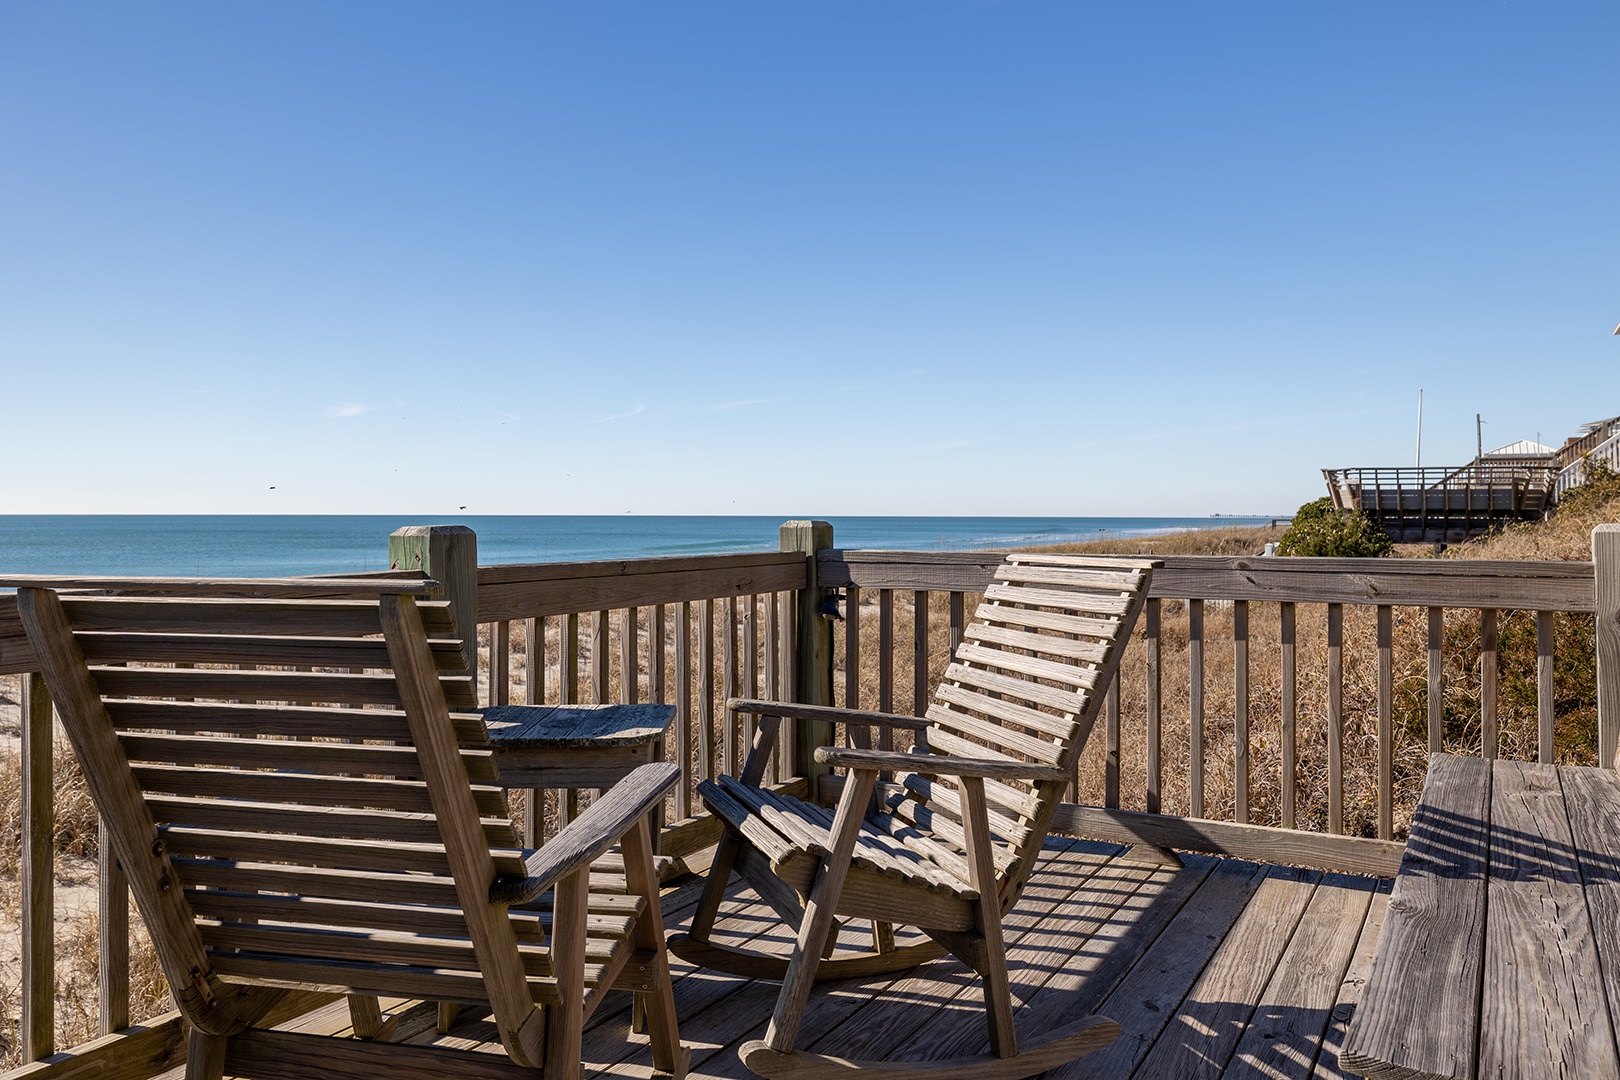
(271, 546)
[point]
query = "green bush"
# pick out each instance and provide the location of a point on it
(1319, 530)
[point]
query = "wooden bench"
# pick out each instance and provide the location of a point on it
(1499, 954)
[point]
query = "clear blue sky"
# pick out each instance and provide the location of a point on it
(795, 259)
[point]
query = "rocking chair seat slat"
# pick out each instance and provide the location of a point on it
(803, 830)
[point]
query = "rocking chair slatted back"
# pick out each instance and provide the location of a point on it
(283, 778)
(1025, 685)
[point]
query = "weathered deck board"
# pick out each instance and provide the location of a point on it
(1149, 997)
(1544, 999)
(1435, 933)
(1286, 1031)
(1219, 968)
(1350, 987)
(1216, 1012)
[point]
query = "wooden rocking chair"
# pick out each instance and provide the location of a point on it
(949, 844)
(291, 776)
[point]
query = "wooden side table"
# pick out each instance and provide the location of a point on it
(576, 746)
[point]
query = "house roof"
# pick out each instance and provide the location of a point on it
(1522, 448)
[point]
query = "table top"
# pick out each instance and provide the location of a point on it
(561, 726)
(1500, 954)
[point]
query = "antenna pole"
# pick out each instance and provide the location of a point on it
(1420, 429)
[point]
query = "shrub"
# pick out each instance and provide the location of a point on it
(1319, 530)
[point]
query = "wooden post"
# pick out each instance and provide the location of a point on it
(813, 666)
(449, 555)
(38, 909)
(1606, 562)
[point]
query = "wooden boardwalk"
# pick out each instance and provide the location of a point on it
(1224, 968)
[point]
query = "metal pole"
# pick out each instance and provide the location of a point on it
(1420, 434)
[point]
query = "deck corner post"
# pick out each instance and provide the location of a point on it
(813, 676)
(449, 555)
(1606, 564)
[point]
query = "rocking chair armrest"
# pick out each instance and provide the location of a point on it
(795, 711)
(589, 836)
(934, 764)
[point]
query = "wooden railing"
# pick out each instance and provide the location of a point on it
(690, 632)
(1201, 725)
(1236, 590)
(1605, 452)
(1594, 436)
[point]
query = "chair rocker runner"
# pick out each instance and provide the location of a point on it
(949, 843)
(290, 774)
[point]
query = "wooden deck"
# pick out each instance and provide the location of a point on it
(1224, 968)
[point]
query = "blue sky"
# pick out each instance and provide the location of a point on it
(797, 259)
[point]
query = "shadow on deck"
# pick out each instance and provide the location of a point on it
(1223, 968)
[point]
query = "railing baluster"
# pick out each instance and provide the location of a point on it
(1437, 677)
(599, 658)
(534, 661)
(1195, 708)
(1489, 733)
(500, 657)
(38, 874)
(920, 685)
(1240, 711)
(568, 660)
(630, 656)
(885, 663)
(750, 665)
(1545, 751)
(773, 682)
(852, 648)
(683, 708)
(568, 694)
(728, 680)
(1290, 716)
(1335, 717)
(705, 701)
(1153, 785)
(958, 619)
(1386, 726)
(857, 735)
(112, 938)
(532, 823)
(1110, 750)
(657, 691)
(788, 735)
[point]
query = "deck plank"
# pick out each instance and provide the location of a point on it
(868, 1019)
(1147, 999)
(1543, 1001)
(1064, 970)
(1216, 1011)
(1592, 797)
(1285, 1033)
(1430, 961)
(1350, 988)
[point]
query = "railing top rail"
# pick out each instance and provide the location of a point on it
(506, 573)
(1536, 586)
(533, 590)
(1441, 473)
(232, 588)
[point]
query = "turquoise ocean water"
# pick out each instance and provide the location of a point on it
(253, 545)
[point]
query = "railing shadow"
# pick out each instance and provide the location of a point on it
(1449, 845)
